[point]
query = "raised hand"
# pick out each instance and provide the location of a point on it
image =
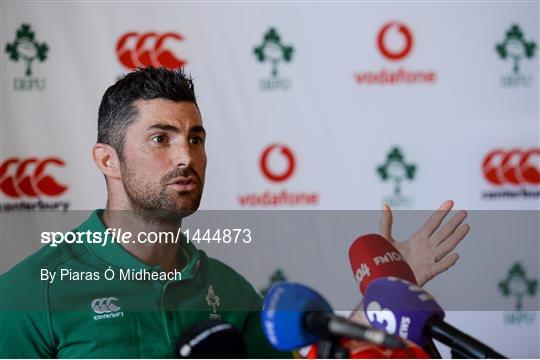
(429, 251)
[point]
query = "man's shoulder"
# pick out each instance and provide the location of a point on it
(25, 277)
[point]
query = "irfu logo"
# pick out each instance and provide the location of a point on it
(273, 51)
(214, 301)
(517, 285)
(397, 170)
(515, 48)
(26, 48)
(277, 276)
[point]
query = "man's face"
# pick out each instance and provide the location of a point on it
(164, 159)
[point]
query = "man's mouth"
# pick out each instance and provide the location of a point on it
(183, 183)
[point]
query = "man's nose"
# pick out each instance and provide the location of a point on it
(182, 155)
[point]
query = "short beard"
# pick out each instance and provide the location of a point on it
(152, 207)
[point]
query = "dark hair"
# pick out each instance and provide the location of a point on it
(117, 112)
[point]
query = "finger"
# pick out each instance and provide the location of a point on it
(447, 229)
(436, 218)
(444, 265)
(385, 225)
(358, 316)
(452, 241)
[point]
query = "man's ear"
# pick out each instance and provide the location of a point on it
(106, 159)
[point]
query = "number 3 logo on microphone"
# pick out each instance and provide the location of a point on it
(381, 316)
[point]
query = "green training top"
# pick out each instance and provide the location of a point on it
(119, 318)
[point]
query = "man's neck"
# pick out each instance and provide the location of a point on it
(163, 252)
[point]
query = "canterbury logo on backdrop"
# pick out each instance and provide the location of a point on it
(18, 180)
(513, 167)
(105, 305)
(137, 50)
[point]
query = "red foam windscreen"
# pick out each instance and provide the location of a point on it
(372, 257)
(365, 350)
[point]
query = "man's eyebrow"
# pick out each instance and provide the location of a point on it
(167, 127)
(198, 129)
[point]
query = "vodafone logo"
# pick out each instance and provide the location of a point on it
(29, 177)
(395, 42)
(287, 156)
(512, 167)
(392, 28)
(135, 50)
(277, 164)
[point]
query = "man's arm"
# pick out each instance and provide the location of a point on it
(21, 336)
(24, 319)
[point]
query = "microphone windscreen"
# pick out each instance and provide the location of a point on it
(373, 257)
(400, 308)
(212, 339)
(283, 316)
(357, 349)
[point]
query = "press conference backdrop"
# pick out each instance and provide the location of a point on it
(308, 106)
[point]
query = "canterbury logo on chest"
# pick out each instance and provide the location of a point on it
(106, 308)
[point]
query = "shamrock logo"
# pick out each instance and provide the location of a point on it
(396, 169)
(517, 285)
(273, 50)
(515, 47)
(26, 47)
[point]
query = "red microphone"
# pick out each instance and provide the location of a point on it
(372, 257)
(365, 350)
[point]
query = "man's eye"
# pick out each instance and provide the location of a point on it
(197, 140)
(160, 139)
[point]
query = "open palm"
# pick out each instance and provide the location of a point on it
(429, 251)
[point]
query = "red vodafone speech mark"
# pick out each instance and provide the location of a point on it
(407, 36)
(141, 52)
(514, 167)
(287, 153)
(16, 179)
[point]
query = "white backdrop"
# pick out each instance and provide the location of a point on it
(338, 131)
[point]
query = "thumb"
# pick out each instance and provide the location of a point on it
(385, 225)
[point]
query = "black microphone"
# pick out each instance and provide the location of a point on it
(328, 325)
(459, 341)
(212, 339)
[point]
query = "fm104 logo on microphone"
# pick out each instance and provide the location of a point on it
(29, 181)
(395, 42)
(278, 164)
(135, 50)
(514, 173)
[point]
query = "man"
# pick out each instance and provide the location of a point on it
(151, 150)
